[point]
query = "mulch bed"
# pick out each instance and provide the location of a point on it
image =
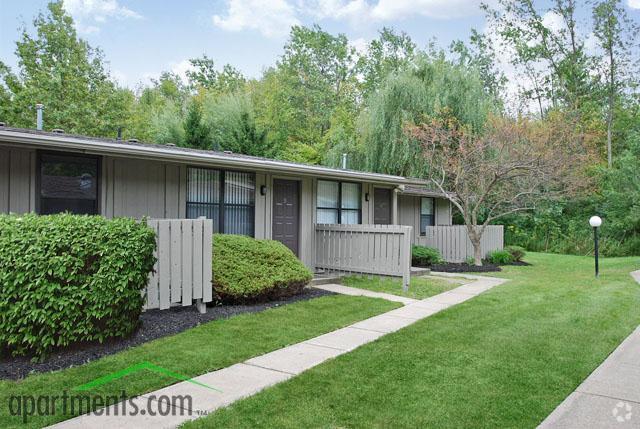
(467, 268)
(154, 324)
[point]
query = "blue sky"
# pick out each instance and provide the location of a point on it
(141, 38)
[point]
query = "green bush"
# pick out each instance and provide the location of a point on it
(250, 270)
(500, 257)
(422, 256)
(68, 278)
(517, 252)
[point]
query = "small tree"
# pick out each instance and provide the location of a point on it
(504, 169)
(196, 132)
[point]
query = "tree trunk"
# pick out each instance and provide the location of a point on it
(612, 91)
(477, 251)
(475, 238)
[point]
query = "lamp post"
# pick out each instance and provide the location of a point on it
(595, 222)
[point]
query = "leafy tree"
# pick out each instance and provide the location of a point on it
(67, 75)
(159, 111)
(480, 54)
(206, 76)
(615, 34)
(389, 53)
(553, 58)
(231, 120)
(316, 76)
(433, 85)
(196, 133)
(508, 167)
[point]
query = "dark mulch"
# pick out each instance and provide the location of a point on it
(467, 268)
(154, 324)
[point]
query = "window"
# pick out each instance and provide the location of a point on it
(339, 202)
(227, 197)
(427, 214)
(68, 183)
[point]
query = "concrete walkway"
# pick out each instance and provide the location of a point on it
(610, 396)
(346, 290)
(253, 375)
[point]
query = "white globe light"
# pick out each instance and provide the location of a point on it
(595, 221)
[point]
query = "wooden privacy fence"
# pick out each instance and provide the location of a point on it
(453, 241)
(182, 273)
(366, 249)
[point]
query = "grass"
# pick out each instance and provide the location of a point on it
(419, 288)
(208, 347)
(504, 359)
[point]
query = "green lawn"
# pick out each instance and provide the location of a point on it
(504, 359)
(208, 347)
(419, 288)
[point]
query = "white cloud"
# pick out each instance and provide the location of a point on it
(181, 68)
(352, 10)
(90, 14)
(553, 21)
(275, 18)
(360, 45)
(634, 4)
(271, 18)
(443, 9)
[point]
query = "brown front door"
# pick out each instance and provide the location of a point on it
(286, 200)
(382, 206)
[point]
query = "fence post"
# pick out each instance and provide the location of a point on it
(405, 257)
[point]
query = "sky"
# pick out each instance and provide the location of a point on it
(142, 38)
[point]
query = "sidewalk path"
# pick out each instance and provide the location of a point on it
(251, 376)
(610, 396)
(346, 290)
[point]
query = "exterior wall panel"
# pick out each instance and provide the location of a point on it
(443, 211)
(409, 214)
(307, 222)
(17, 180)
(138, 188)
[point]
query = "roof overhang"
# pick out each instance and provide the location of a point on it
(180, 155)
(421, 191)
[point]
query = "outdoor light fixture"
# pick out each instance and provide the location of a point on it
(595, 222)
(263, 190)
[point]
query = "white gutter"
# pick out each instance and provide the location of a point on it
(166, 153)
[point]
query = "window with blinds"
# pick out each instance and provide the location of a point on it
(227, 197)
(427, 214)
(339, 202)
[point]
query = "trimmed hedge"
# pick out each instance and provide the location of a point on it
(422, 256)
(249, 270)
(69, 278)
(517, 252)
(500, 257)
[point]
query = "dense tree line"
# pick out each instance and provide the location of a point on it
(322, 98)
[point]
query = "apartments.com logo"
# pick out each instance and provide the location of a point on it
(79, 400)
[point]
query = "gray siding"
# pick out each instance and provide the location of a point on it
(17, 180)
(157, 189)
(137, 188)
(409, 213)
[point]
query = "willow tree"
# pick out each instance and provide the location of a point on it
(431, 86)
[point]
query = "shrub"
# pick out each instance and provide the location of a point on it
(68, 278)
(250, 270)
(422, 256)
(500, 257)
(517, 252)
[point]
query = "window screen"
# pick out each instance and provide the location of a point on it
(68, 183)
(427, 214)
